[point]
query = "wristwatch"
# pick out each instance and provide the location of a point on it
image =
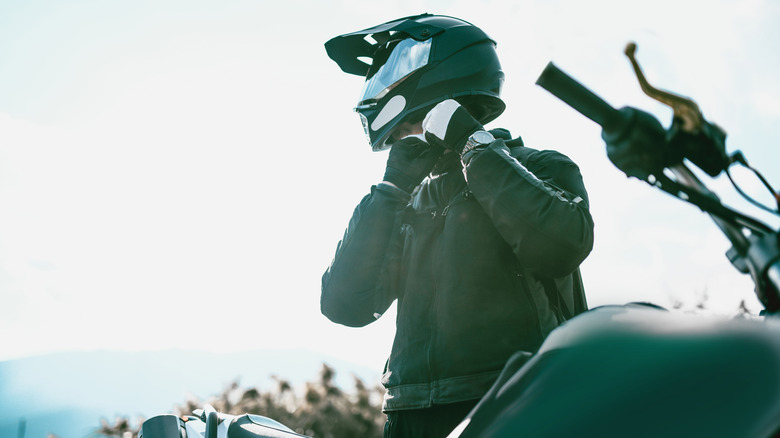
(477, 139)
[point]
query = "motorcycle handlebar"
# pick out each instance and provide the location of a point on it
(211, 418)
(576, 95)
(637, 145)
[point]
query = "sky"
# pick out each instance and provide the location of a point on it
(177, 174)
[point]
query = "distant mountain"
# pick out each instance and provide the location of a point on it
(67, 394)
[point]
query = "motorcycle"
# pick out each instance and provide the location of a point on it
(626, 370)
(637, 369)
(208, 423)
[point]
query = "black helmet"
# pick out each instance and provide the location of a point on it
(413, 63)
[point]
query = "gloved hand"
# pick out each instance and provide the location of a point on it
(409, 162)
(449, 125)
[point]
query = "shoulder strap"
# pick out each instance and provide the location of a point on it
(566, 295)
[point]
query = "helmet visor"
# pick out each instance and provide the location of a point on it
(407, 56)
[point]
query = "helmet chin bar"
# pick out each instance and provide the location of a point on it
(385, 135)
(390, 111)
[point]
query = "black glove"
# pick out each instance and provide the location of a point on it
(449, 124)
(409, 162)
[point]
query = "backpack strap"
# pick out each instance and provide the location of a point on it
(566, 295)
(559, 307)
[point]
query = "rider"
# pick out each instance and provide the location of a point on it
(478, 237)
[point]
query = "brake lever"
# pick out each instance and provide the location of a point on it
(685, 109)
(690, 136)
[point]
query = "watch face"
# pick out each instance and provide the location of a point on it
(483, 137)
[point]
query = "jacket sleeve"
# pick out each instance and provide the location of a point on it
(356, 288)
(538, 203)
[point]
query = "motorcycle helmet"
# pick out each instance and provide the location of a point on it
(413, 63)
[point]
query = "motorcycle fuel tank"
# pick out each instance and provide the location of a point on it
(641, 371)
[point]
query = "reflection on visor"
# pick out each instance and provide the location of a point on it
(406, 57)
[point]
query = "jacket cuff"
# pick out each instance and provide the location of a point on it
(391, 191)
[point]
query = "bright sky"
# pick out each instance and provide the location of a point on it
(178, 173)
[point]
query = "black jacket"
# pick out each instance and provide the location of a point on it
(480, 269)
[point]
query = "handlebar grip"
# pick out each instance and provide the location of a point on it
(576, 95)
